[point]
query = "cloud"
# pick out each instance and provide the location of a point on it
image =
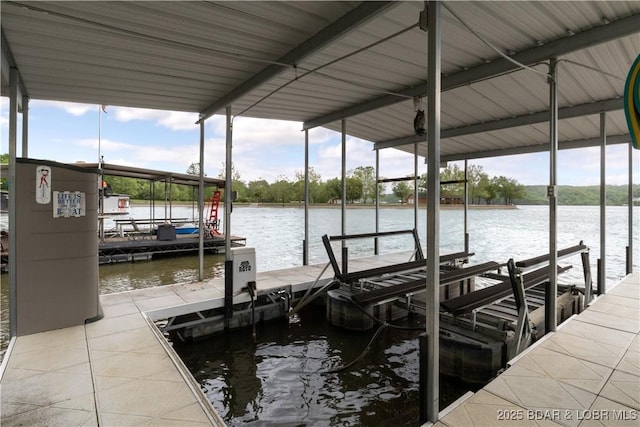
(4, 110)
(265, 149)
(73, 108)
(173, 159)
(173, 120)
(250, 134)
(106, 145)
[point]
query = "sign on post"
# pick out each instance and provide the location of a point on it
(43, 185)
(68, 204)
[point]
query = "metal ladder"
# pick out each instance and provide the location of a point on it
(213, 222)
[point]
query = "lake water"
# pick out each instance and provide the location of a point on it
(277, 377)
(278, 233)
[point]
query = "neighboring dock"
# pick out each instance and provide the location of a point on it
(121, 371)
(146, 246)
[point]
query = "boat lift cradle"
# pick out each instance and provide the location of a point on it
(520, 280)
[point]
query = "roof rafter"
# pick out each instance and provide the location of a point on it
(594, 36)
(8, 61)
(562, 145)
(345, 24)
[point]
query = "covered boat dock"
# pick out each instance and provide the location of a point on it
(488, 78)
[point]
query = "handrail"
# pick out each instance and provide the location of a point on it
(573, 250)
(366, 235)
(326, 240)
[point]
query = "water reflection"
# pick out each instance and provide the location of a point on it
(167, 271)
(282, 377)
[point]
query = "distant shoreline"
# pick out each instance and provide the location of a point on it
(331, 205)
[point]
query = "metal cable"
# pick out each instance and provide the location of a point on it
(362, 354)
(589, 67)
(488, 43)
(316, 71)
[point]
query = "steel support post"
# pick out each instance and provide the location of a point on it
(201, 206)
(423, 372)
(602, 272)
(167, 190)
(228, 263)
(466, 208)
(416, 199)
(344, 193)
(550, 320)
(375, 240)
(25, 126)
(100, 177)
(305, 245)
(630, 204)
(433, 210)
(13, 135)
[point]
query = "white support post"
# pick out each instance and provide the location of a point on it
(552, 289)
(433, 210)
(375, 240)
(25, 126)
(305, 245)
(630, 205)
(343, 176)
(416, 199)
(228, 263)
(201, 206)
(344, 194)
(13, 136)
(466, 206)
(602, 265)
(228, 186)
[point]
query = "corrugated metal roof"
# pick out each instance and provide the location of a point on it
(189, 56)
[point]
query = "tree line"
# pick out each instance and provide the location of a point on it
(360, 186)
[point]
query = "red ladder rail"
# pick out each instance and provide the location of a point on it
(213, 222)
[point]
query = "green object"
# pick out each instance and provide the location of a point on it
(632, 102)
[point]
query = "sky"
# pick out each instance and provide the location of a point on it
(262, 149)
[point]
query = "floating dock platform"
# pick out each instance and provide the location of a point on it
(126, 249)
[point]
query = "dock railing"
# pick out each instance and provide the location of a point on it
(125, 226)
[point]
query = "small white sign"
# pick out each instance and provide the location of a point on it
(68, 203)
(43, 185)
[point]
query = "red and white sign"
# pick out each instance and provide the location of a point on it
(43, 185)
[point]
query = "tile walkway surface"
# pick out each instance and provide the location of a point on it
(119, 371)
(586, 374)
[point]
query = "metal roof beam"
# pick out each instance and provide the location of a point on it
(594, 36)
(562, 145)
(612, 104)
(8, 62)
(350, 21)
